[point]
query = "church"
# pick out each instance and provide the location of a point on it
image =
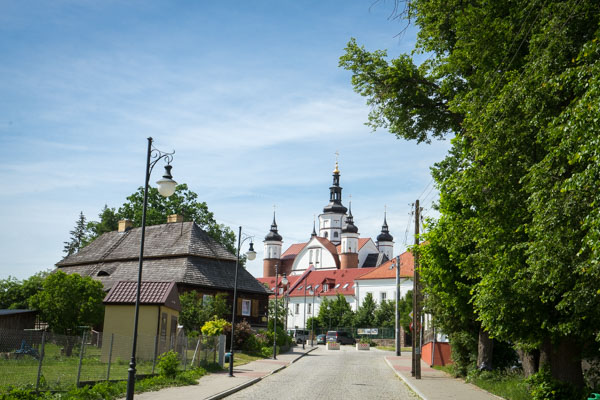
(331, 262)
(336, 246)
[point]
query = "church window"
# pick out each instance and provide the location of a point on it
(310, 257)
(335, 234)
(325, 234)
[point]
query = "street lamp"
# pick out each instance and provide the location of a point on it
(304, 323)
(251, 255)
(166, 187)
(312, 322)
(284, 282)
(397, 311)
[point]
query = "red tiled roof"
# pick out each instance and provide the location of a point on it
(331, 248)
(124, 292)
(293, 250)
(344, 277)
(384, 271)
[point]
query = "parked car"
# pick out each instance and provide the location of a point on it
(340, 337)
(299, 335)
(321, 338)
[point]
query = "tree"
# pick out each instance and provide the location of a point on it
(341, 313)
(109, 221)
(197, 310)
(183, 202)
(325, 313)
(68, 302)
(517, 185)
(282, 314)
(365, 315)
(79, 236)
(14, 294)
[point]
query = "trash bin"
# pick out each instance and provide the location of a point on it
(227, 356)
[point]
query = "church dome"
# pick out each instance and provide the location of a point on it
(273, 235)
(349, 226)
(385, 236)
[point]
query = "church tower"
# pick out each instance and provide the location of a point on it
(273, 242)
(334, 213)
(349, 251)
(385, 241)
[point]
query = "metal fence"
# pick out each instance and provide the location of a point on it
(373, 333)
(47, 361)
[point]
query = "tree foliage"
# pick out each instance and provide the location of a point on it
(365, 314)
(15, 294)
(196, 310)
(79, 236)
(68, 302)
(515, 249)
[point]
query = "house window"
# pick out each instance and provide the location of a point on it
(382, 296)
(325, 287)
(297, 309)
(246, 307)
(309, 309)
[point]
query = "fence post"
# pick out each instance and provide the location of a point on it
(222, 341)
(155, 351)
(112, 338)
(80, 357)
(39, 374)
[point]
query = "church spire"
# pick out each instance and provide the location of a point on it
(385, 236)
(335, 194)
(273, 234)
(314, 232)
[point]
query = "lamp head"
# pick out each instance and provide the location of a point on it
(311, 292)
(251, 254)
(166, 185)
(284, 280)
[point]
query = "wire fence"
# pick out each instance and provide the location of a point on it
(47, 361)
(373, 333)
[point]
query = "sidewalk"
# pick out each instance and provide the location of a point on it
(435, 384)
(219, 385)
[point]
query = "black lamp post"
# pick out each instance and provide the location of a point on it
(284, 282)
(166, 187)
(312, 321)
(251, 255)
(304, 323)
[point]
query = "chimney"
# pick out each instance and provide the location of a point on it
(125, 225)
(174, 218)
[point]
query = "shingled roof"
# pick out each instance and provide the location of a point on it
(162, 293)
(180, 252)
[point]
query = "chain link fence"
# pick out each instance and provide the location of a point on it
(47, 361)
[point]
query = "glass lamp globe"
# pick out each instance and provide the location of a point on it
(166, 185)
(251, 254)
(284, 280)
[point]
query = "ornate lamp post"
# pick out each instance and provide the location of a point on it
(251, 254)
(166, 187)
(284, 283)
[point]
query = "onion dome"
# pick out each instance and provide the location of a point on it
(385, 236)
(349, 226)
(273, 235)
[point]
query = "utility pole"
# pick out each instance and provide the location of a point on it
(417, 298)
(397, 311)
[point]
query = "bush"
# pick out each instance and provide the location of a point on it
(464, 352)
(168, 364)
(543, 387)
(216, 327)
(242, 332)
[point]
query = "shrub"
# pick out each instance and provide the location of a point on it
(242, 332)
(168, 364)
(543, 387)
(216, 327)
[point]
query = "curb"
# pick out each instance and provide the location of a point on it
(244, 385)
(406, 381)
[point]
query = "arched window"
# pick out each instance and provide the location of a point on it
(335, 235)
(326, 235)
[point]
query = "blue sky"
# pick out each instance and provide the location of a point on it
(248, 94)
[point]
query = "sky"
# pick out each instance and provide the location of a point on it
(249, 95)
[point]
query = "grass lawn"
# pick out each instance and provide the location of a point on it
(393, 348)
(509, 385)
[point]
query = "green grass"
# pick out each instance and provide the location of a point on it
(393, 348)
(509, 385)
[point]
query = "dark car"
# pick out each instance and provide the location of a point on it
(340, 337)
(321, 338)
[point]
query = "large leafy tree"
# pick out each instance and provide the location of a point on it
(516, 83)
(14, 294)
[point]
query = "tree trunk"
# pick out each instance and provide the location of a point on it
(530, 361)
(564, 359)
(485, 350)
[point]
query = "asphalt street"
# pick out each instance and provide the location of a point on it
(345, 374)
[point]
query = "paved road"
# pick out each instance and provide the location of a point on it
(346, 374)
